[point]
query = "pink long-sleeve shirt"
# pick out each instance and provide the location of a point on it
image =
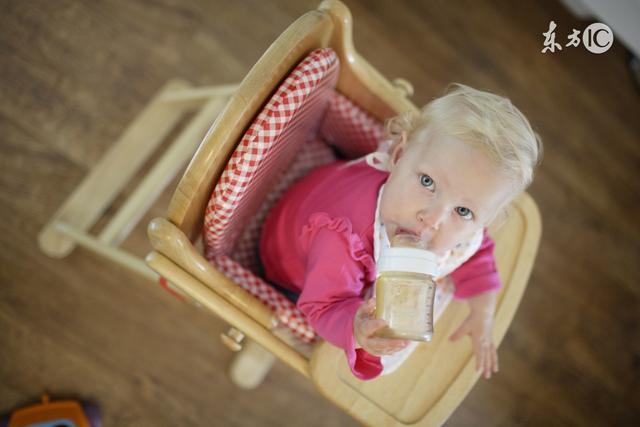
(318, 241)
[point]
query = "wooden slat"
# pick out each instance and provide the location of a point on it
(115, 255)
(162, 173)
(196, 97)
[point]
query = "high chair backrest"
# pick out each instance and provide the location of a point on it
(270, 156)
(330, 25)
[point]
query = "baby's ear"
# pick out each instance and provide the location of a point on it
(398, 148)
(499, 219)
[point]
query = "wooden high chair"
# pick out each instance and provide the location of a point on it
(437, 376)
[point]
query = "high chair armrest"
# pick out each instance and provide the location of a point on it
(170, 241)
(227, 311)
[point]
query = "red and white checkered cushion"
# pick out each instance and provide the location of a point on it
(290, 118)
(266, 161)
(353, 131)
(287, 140)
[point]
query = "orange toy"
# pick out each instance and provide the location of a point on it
(61, 413)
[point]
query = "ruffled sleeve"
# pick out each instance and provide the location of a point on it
(478, 274)
(337, 273)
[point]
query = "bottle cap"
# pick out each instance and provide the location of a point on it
(409, 260)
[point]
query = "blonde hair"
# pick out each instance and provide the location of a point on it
(482, 119)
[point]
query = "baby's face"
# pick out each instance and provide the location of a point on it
(443, 190)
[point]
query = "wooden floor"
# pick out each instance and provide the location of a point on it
(74, 73)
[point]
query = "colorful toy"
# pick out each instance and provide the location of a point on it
(61, 413)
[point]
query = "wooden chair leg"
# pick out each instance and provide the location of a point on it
(250, 365)
(113, 254)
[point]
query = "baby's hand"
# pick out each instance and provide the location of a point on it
(364, 328)
(479, 325)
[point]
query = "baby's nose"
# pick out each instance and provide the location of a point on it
(432, 218)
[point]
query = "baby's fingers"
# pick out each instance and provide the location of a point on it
(484, 359)
(479, 357)
(370, 326)
(488, 361)
(386, 346)
(494, 357)
(368, 308)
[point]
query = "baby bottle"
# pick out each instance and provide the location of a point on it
(405, 289)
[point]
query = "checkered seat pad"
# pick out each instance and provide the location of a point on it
(305, 124)
(352, 131)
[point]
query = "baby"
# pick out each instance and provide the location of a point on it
(450, 170)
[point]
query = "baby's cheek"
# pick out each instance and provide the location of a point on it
(448, 239)
(392, 210)
(446, 246)
(441, 243)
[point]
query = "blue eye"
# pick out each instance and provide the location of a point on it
(464, 212)
(426, 181)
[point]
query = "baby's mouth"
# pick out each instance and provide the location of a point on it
(402, 230)
(425, 237)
